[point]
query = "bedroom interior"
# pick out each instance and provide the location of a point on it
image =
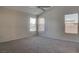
(39, 29)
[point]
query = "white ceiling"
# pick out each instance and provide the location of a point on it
(28, 9)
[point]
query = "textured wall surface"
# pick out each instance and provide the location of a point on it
(14, 25)
(54, 27)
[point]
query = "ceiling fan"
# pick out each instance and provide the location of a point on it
(44, 8)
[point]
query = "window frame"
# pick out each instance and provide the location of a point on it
(42, 24)
(30, 24)
(72, 23)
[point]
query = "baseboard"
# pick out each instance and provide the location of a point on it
(18, 39)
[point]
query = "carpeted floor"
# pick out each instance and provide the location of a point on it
(39, 45)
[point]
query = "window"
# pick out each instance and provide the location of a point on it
(32, 24)
(41, 25)
(71, 23)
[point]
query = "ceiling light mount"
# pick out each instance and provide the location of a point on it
(44, 8)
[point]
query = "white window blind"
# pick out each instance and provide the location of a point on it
(41, 25)
(71, 23)
(32, 24)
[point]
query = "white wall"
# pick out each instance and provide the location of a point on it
(14, 25)
(55, 23)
